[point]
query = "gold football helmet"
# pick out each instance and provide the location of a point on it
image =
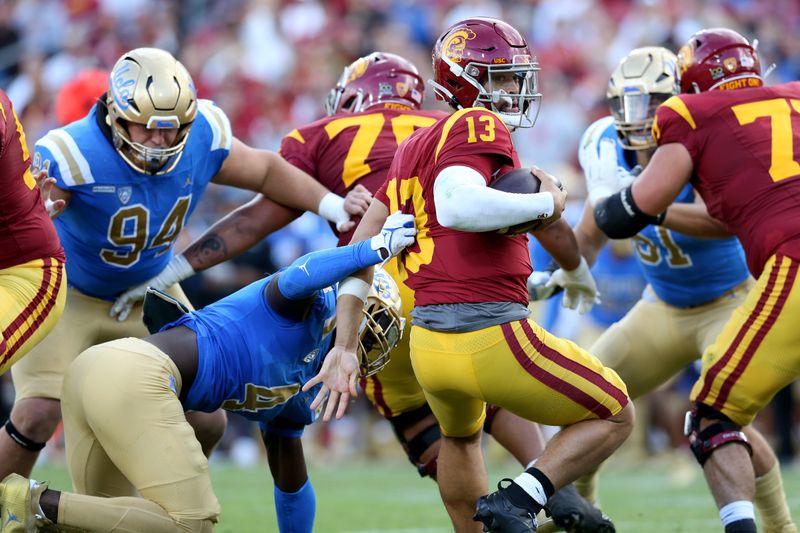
(641, 82)
(150, 87)
(381, 325)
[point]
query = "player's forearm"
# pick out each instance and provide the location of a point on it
(559, 241)
(348, 315)
(237, 232)
(463, 200)
(589, 237)
(694, 220)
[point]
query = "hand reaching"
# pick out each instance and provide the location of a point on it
(338, 377)
(397, 232)
(580, 291)
(46, 184)
(177, 270)
(604, 176)
(355, 205)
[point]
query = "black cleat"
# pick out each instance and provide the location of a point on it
(571, 512)
(499, 515)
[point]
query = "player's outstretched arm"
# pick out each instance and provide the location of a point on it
(340, 368)
(268, 173)
(694, 220)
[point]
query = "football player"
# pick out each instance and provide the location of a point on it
(471, 340)
(131, 172)
(32, 278)
(376, 104)
(249, 353)
(732, 139)
(694, 284)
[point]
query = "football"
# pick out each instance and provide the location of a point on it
(519, 180)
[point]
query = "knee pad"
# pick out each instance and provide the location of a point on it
(417, 445)
(22, 440)
(704, 442)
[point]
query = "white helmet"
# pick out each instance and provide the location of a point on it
(641, 82)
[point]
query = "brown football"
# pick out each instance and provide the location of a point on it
(519, 180)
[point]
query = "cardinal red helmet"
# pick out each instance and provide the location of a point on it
(718, 58)
(472, 56)
(378, 78)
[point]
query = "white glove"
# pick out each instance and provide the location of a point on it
(604, 176)
(580, 291)
(177, 270)
(538, 289)
(397, 232)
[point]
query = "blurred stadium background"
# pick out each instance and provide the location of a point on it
(269, 64)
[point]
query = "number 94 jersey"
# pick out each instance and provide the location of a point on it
(120, 225)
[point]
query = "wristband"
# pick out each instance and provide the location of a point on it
(355, 287)
(331, 208)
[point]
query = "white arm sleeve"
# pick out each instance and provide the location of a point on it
(465, 203)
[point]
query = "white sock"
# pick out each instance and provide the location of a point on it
(532, 486)
(735, 511)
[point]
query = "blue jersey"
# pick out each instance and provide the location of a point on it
(120, 224)
(683, 271)
(253, 361)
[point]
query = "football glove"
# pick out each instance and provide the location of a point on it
(397, 232)
(580, 291)
(604, 176)
(177, 270)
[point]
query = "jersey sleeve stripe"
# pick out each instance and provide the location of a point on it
(219, 123)
(447, 127)
(72, 165)
(679, 106)
(295, 134)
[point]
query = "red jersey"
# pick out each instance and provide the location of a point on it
(26, 231)
(745, 146)
(349, 149)
(448, 266)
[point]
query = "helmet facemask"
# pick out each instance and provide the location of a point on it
(633, 114)
(147, 159)
(381, 325)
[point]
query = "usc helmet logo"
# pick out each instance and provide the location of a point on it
(357, 69)
(453, 47)
(685, 58)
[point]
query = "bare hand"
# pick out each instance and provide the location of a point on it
(46, 184)
(552, 185)
(338, 377)
(357, 201)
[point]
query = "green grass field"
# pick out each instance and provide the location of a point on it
(388, 496)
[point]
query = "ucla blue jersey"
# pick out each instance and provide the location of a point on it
(120, 225)
(683, 271)
(252, 360)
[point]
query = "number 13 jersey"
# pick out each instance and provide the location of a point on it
(120, 224)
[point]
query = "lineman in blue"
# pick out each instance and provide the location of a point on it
(693, 285)
(251, 352)
(131, 173)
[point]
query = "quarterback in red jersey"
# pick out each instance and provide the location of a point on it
(32, 279)
(471, 340)
(737, 142)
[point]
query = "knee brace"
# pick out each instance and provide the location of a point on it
(420, 442)
(723, 431)
(22, 440)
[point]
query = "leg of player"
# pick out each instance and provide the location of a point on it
(770, 498)
(295, 501)
(462, 478)
(208, 428)
(32, 422)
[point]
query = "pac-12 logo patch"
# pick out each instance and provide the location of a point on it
(124, 194)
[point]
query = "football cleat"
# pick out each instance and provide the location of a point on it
(572, 513)
(500, 515)
(19, 503)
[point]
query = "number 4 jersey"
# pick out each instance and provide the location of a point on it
(745, 146)
(119, 226)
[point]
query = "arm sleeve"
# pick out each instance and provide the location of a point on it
(321, 269)
(463, 201)
(43, 159)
